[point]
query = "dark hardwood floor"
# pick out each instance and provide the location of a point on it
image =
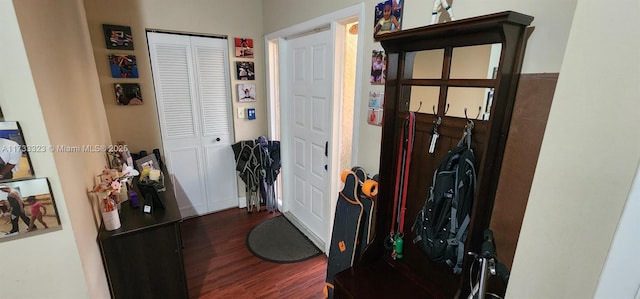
(219, 265)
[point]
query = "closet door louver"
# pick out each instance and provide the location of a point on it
(191, 79)
(174, 85)
(214, 96)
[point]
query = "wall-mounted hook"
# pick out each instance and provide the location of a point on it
(470, 124)
(477, 116)
(434, 132)
(446, 109)
(419, 107)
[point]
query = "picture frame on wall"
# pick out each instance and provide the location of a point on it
(14, 151)
(374, 116)
(123, 66)
(378, 67)
(246, 92)
(244, 47)
(387, 17)
(39, 215)
(128, 93)
(375, 108)
(245, 70)
(118, 37)
(376, 99)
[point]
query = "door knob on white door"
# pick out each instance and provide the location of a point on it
(218, 139)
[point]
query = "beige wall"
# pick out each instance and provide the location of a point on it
(544, 50)
(60, 89)
(138, 125)
(587, 161)
(52, 90)
(572, 213)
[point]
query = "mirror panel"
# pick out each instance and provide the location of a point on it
(426, 64)
(475, 62)
(477, 101)
(428, 95)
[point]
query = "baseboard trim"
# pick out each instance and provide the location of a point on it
(242, 202)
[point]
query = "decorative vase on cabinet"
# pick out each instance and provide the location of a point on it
(110, 216)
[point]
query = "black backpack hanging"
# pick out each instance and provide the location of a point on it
(441, 226)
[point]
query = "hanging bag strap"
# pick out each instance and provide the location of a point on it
(466, 135)
(402, 182)
(457, 232)
(406, 167)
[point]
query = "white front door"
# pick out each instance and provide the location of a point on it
(309, 104)
(191, 81)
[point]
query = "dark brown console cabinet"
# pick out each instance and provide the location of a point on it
(143, 258)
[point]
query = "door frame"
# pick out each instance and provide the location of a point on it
(277, 68)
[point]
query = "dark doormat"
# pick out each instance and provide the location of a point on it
(276, 240)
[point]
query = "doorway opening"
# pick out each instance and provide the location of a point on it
(328, 159)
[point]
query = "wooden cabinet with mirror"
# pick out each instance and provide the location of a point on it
(463, 69)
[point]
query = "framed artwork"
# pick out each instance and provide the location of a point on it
(128, 93)
(118, 37)
(244, 47)
(376, 99)
(375, 110)
(378, 67)
(147, 161)
(118, 155)
(245, 70)
(246, 92)
(123, 66)
(374, 116)
(14, 151)
(39, 215)
(387, 17)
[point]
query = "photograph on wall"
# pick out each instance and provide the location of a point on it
(14, 152)
(123, 66)
(378, 67)
(128, 93)
(118, 37)
(388, 17)
(27, 208)
(374, 116)
(246, 92)
(376, 99)
(245, 70)
(375, 108)
(244, 47)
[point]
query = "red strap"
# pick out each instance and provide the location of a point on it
(406, 170)
(398, 178)
(402, 173)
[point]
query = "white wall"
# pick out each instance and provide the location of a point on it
(621, 275)
(588, 158)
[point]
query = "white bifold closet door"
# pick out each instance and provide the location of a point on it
(191, 80)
